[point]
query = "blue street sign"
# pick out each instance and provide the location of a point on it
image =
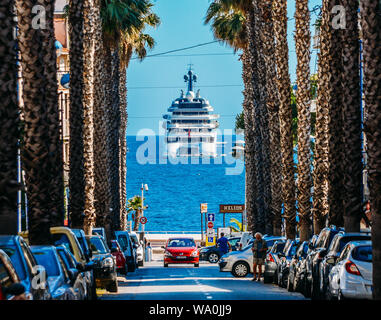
(211, 217)
(210, 239)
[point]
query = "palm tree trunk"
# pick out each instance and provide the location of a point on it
(320, 173)
(285, 116)
(76, 175)
(250, 174)
(123, 147)
(371, 33)
(9, 120)
(138, 214)
(56, 185)
(39, 121)
(302, 44)
(352, 151)
(101, 170)
(335, 131)
(272, 103)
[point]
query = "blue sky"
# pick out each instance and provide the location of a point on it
(182, 26)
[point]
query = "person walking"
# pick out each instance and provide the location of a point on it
(223, 244)
(259, 249)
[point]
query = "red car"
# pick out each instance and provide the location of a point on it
(181, 250)
(116, 251)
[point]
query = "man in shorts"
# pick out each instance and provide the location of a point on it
(259, 249)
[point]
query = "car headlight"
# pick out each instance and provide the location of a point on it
(108, 263)
(194, 253)
(203, 250)
(167, 253)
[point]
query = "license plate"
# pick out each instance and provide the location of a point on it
(181, 257)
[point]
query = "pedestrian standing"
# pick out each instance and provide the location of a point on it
(148, 255)
(223, 244)
(259, 249)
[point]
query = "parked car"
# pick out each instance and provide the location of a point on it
(100, 231)
(57, 276)
(64, 236)
(296, 260)
(81, 237)
(78, 282)
(104, 264)
(286, 256)
(351, 277)
(116, 251)
(315, 255)
(139, 248)
(11, 287)
(272, 260)
(181, 250)
(213, 253)
(240, 262)
(25, 265)
(128, 249)
(334, 251)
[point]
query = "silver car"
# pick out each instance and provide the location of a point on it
(351, 277)
(240, 263)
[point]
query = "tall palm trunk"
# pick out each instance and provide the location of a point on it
(40, 122)
(320, 174)
(272, 103)
(56, 185)
(250, 174)
(76, 175)
(371, 34)
(335, 131)
(285, 115)
(101, 170)
(302, 44)
(352, 151)
(9, 120)
(123, 146)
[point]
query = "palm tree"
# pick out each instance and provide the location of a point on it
(82, 111)
(324, 92)
(285, 115)
(9, 120)
(352, 151)
(371, 34)
(303, 96)
(135, 204)
(230, 24)
(41, 123)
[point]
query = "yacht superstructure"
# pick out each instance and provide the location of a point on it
(190, 126)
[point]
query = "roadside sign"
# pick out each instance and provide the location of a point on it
(211, 217)
(143, 220)
(210, 241)
(203, 207)
(210, 232)
(232, 208)
(210, 225)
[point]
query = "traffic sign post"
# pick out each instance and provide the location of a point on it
(211, 217)
(203, 210)
(143, 220)
(210, 225)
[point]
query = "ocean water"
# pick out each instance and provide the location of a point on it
(176, 190)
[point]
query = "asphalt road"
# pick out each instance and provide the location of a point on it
(182, 282)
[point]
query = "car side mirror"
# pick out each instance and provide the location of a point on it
(331, 260)
(15, 289)
(73, 274)
(89, 266)
(80, 267)
(114, 250)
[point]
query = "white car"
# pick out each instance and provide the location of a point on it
(351, 277)
(240, 262)
(139, 248)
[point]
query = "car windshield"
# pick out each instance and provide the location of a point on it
(13, 253)
(97, 245)
(48, 260)
(362, 253)
(173, 243)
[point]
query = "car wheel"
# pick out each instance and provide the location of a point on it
(340, 296)
(196, 265)
(314, 289)
(328, 294)
(213, 257)
(125, 271)
(275, 277)
(240, 269)
(113, 287)
(290, 284)
(267, 279)
(93, 290)
(165, 265)
(132, 267)
(284, 280)
(141, 263)
(307, 288)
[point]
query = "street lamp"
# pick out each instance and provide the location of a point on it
(143, 187)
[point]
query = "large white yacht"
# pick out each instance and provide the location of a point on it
(190, 126)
